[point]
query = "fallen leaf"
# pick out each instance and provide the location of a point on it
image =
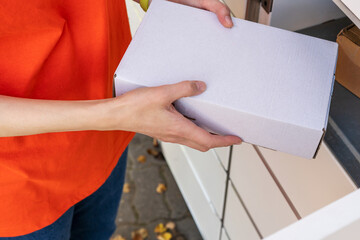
(141, 159)
(170, 225)
(136, 236)
(164, 236)
(161, 188)
(143, 232)
(153, 152)
(118, 237)
(139, 234)
(155, 142)
(126, 188)
(160, 228)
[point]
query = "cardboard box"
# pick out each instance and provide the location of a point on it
(348, 65)
(269, 86)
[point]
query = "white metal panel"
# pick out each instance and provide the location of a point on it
(224, 235)
(348, 12)
(258, 190)
(204, 215)
(297, 14)
(237, 222)
(338, 221)
(310, 184)
(223, 153)
(211, 176)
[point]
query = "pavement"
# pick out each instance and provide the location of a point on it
(142, 206)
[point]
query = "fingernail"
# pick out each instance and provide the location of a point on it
(201, 86)
(228, 21)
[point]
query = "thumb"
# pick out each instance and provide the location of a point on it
(184, 89)
(221, 11)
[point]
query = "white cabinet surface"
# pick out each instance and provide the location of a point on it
(338, 221)
(289, 14)
(223, 153)
(310, 184)
(210, 175)
(237, 222)
(298, 14)
(201, 209)
(224, 235)
(258, 190)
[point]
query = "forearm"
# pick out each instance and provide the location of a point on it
(20, 116)
(144, 110)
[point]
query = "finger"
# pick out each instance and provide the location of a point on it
(221, 11)
(183, 89)
(199, 136)
(193, 145)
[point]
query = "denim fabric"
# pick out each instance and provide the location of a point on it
(92, 218)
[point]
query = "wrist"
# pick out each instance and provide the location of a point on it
(107, 114)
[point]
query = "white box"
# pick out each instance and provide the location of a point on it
(271, 87)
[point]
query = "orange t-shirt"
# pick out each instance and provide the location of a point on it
(55, 50)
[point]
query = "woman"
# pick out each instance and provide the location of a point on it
(61, 133)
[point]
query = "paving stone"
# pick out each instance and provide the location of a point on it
(173, 196)
(140, 147)
(128, 174)
(188, 228)
(139, 139)
(151, 227)
(126, 230)
(176, 234)
(130, 161)
(143, 206)
(149, 204)
(126, 213)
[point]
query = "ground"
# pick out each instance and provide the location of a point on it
(142, 206)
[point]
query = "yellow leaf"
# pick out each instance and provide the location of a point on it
(155, 142)
(141, 159)
(126, 188)
(160, 228)
(153, 152)
(118, 237)
(143, 232)
(139, 234)
(167, 236)
(164, 236)
(161, 188)
(170, 225)
(136, 236)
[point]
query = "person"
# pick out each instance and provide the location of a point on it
(61, 132)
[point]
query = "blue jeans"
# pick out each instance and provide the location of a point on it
(92, 218)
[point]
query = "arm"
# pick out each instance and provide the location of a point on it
(145, 110)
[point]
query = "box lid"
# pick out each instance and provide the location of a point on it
(252, 68)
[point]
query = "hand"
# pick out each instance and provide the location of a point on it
(215, 6)
(150, 111)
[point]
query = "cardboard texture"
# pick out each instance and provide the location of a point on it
(348, 65)
(269, 86)
(351, 8)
